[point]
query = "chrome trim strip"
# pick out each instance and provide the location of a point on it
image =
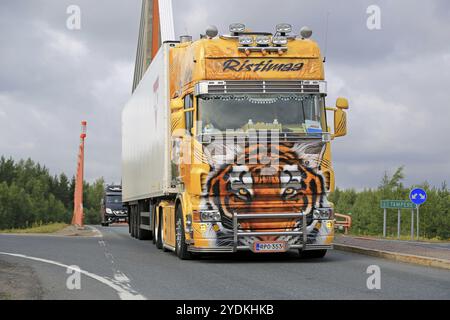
(211, 250)
(169, 247)
(218, 87)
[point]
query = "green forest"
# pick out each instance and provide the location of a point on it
(30, 195)
(367, 216)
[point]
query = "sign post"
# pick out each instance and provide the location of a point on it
(418, 196)
(395, 204)
(417, 222)
(412, 224)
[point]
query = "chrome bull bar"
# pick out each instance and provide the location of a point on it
(237, 234)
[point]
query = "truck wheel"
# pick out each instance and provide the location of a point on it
(181, 248)
(129, 219)
(136, 222)
(312, 254)
(105, 224)
(131, 226)
(159, 244)
(154, 228)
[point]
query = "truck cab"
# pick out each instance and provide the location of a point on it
(226, 145)
(112, 208)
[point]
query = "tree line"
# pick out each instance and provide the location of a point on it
(367, 216)
(29, 195)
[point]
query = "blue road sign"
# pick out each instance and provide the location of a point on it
(418, 196)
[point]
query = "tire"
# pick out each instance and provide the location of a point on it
(136, 222)
(158, 233)
(105, 224)
(154, 227)
(129, 219)
(132, 229)
(181, 248)
(312, 254)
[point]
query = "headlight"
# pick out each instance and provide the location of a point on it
(245, 40)
(323, 214)
(108, 210)
(316, 214)
(279, 41)
(263, 40)
(209, 216)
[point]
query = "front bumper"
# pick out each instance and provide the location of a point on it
(307, 247)
(301, 234)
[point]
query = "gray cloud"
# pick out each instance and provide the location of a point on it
(396, 78)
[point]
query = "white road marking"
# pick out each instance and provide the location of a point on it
(124, 291)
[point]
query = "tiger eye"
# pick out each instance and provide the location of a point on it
(289, 191)
(243, 192)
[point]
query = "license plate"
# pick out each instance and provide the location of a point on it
(122, 220)
(269, 246)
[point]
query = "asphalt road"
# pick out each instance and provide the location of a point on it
(116, 266)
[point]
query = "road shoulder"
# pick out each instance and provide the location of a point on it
(401, 251)
(18, 282)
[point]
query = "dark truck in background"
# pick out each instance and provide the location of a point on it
(112, 209)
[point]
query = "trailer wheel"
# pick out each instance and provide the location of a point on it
(159, 244)
(312, 254)
(129, 219)
(181, 248)
(136, 222)
(154, 226)
(132, 222)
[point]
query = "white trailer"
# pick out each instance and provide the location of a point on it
(146, 134)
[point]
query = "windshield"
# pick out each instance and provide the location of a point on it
(114, 199)
(299, 113)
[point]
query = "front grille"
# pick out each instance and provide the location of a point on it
(260, 136)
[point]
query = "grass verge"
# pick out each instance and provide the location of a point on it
(45, 228)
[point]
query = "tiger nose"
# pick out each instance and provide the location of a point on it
(268, 238)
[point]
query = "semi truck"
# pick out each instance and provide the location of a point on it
(226, 145)
(112, 208)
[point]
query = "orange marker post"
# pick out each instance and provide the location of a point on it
(78, 215)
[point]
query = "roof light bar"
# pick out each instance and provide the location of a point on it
(280, 40)
(263, 40)
(246, 40)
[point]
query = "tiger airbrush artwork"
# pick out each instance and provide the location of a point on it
(266, 178)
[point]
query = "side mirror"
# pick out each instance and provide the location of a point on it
(342, 103)
(340, 117)
(176, 104)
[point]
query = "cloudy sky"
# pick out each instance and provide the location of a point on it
(397, 78)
